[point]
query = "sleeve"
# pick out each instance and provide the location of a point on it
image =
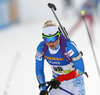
(73, 51)
(40, 65)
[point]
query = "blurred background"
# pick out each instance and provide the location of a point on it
(21, 23)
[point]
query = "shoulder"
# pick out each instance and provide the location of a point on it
(40, 46)
(71, 47)
(70, 44)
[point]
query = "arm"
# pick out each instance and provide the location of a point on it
(79, 65)
(40, 65)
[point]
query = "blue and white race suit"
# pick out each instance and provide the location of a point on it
(59, 66)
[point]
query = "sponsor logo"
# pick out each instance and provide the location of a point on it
(38, 56)
(39, 77)
(54, 58)
(54, 62)
(70, 53)
(50, 34)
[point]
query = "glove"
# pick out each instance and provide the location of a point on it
(43, 92)
(54, 83)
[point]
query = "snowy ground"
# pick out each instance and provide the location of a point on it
(17, 57)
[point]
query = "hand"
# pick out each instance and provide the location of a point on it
(43, 92)
(54, 83)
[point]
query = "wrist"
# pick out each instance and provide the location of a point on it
(43, 88)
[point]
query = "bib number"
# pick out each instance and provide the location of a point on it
(58, 68)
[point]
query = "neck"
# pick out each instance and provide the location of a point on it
(54, 51)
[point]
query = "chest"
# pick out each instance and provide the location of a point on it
(55, 59)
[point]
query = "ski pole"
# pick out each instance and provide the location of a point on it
(82, 13)
(58, 88)
(63, 30)
(65, 91)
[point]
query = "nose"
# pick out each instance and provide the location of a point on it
(50, 42)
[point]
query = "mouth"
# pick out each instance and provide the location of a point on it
(51, 46)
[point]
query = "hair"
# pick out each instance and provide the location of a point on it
(49, 23)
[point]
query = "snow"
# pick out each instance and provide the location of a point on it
(17, 56)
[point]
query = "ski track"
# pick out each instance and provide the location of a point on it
(25, 38)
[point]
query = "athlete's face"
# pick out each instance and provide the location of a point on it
(52, 45)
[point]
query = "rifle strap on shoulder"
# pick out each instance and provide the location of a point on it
(63, 49)
(45, 47)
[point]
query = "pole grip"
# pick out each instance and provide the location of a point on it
(50, 5)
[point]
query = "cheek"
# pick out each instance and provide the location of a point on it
(47, 44)
(56, 43)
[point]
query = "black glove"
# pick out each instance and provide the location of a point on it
(43, 92)
(54, 83)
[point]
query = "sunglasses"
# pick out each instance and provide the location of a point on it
(52, 38)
